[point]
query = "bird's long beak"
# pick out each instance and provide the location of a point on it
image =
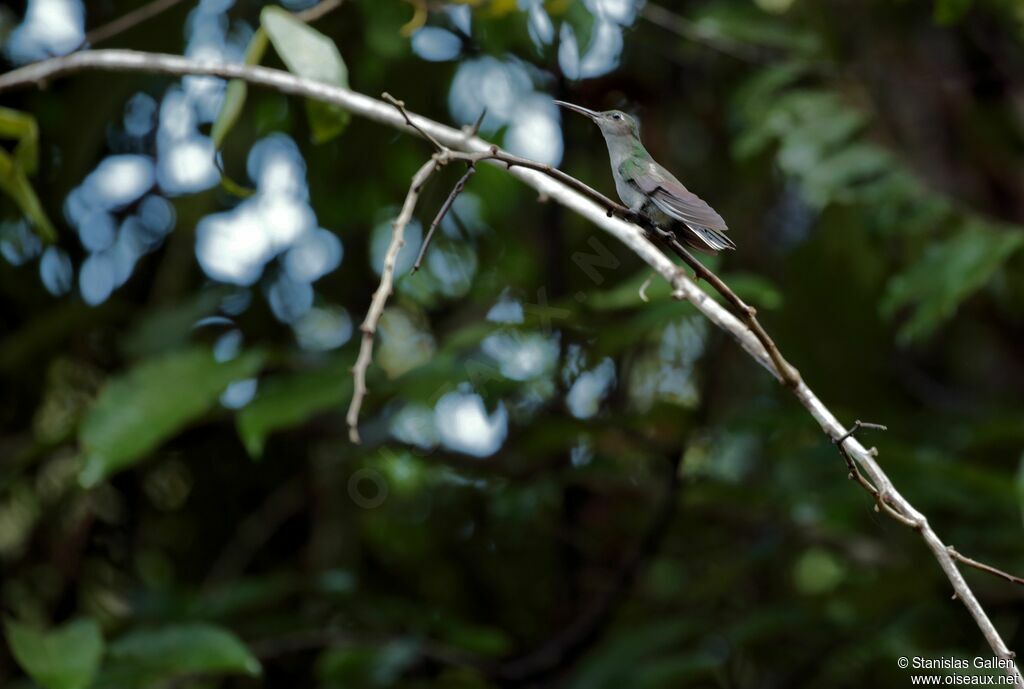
(577, 108)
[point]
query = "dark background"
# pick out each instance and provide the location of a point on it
(676, 519)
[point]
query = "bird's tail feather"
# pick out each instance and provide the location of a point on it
(707, 240)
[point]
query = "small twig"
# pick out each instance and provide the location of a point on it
(137, 16)
(982, 566)
(400, 106)
(644, 286)
(881, 500)
(128, 21)
(471, 132)
(475, 129)
(380, 297)
(318, 11)
(681, 26)
(857, 425)
(445, 207)
(786, 372)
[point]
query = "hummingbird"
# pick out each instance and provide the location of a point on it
(647, 188)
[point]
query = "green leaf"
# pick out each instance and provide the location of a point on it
(65, 657)
(751, 288)
(287, 401)
(755, 290)
(15, 171)
(626, 294)
(949, 272)
(308, 53)
(23, 128)
(139, 410)
(758, 93)
(838, 176)
(163, 329)
(744, 26)
(14, 183)
(174, 651)
(817, 571)
(367, 666)
(234, 188)
(617, 658)
(582, 22)
(234, 97)
(774, 6)
(807, 123)
(951, 11)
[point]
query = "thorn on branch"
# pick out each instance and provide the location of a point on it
(476, 125)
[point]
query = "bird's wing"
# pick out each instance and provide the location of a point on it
(676, 201)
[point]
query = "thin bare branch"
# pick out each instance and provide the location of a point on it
(881, 501)
(445, 207)
(982, 566)
(857, 425)
(318, 11)
(128, 21)
(380, 297)
(401, 108)
(475, 129)
(573, 195)
(691, 31)
(784, 371)
(150, 10)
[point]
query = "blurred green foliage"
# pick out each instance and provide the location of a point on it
(65, 658)
(869, 158)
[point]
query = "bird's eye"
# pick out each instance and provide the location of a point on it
(616, 116)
